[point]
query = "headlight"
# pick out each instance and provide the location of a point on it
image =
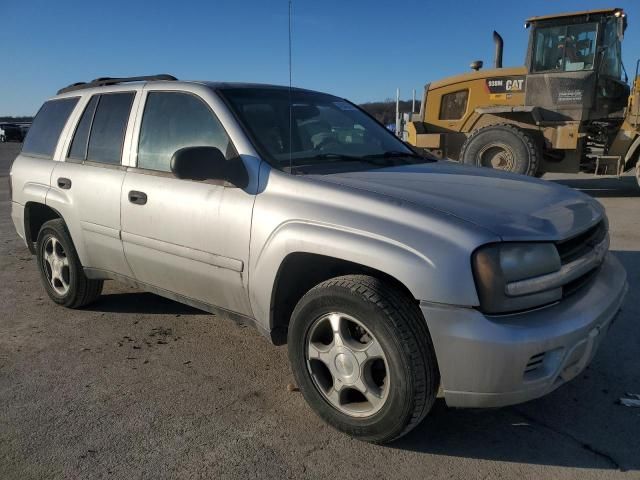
(501, 265)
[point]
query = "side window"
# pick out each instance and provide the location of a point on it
(78, 150)
(611, 57)
(172, 121)
(47, 126)
(108, 128)
(453, 105)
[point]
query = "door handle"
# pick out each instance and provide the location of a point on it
(139, 198)
(64, 183)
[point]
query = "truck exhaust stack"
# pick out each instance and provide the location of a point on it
(497, 61)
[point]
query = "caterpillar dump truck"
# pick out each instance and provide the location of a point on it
(568, 109)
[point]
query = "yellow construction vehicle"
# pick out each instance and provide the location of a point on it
(568, 109)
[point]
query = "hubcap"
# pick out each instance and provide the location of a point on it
(497, 155)
(347, 365)
(56, 265)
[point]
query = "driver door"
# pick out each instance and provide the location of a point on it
(187, 237)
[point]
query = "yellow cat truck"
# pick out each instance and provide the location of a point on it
(568, 109)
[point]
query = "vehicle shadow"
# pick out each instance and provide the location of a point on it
(142, 303)
(504, 435)
(623, 187)
(580, 425)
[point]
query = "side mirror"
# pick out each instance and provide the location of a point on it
(208, 163)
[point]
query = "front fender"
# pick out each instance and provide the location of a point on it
(426, 278)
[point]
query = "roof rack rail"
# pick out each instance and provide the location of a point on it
(102, 81)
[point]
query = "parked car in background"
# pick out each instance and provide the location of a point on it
(388, 274)
(24, 129)
(10, 132)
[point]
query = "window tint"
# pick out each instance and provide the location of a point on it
(78, 150)
(46, 128)
(454, 105)
(172, 121)
(109, 125)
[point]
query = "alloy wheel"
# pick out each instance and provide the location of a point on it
(56, 265)
(347, 364)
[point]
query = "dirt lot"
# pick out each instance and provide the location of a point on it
(136, 386)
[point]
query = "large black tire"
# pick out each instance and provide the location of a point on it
(393, 319)
(70, 287)
(504, 147)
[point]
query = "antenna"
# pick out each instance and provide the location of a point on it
(290, 93)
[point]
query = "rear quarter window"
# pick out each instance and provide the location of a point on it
(47, 126)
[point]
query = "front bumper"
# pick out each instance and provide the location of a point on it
(495, 361)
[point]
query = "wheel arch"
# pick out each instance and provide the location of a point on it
(36, 214)
(345, 250)
(489, 116)
(299, 272)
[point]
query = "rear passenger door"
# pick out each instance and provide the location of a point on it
(182, 236)
(88, 183)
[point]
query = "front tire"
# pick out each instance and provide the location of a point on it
(363, 358)
(60, 268)
(503, 147)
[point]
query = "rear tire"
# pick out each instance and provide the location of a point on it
(385, 382)
(60, 268)
(503, 147)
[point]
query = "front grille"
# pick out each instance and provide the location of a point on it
(579, 282)
(577, 246)
(572, 249)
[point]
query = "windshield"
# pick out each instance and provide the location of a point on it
(325, 129)
(566, 48)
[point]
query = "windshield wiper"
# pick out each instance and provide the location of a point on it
(336, 157)
(383, 159)
(330, 157)
(394, 154)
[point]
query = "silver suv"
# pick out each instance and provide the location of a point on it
(390, 276)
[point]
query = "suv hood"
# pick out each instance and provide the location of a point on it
(514, 207)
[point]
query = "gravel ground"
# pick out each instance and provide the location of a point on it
(136, 386)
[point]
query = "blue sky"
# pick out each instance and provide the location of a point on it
(362, 50)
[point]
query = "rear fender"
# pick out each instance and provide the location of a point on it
(61, 202)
